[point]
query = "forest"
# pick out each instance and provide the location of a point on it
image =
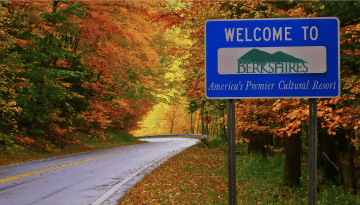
(74, 71)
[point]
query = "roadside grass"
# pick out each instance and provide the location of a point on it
(17, 154)
(262, 183)
(214, 141)
(199, 176)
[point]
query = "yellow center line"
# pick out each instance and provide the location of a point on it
(68, 164)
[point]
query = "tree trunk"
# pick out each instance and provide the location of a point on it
(251, 142)
(257, 142)
(292, 165)
(55, 4)
(329, 159)
(172, 124)
(191, 122)
(197, 127)
(320, 159)
(343, 144)
(338, 159)
(353, 179)
(202, 121)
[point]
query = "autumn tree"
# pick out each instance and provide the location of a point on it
(170, 116)
(87, 67)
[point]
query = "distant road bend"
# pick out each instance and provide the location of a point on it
(176, 135)
(96, 177)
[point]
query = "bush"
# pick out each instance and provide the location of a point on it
(24, 141)
(7, 143)
(122, 138)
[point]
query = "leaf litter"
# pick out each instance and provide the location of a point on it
(195, 176)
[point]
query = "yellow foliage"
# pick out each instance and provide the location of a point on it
(158, 122)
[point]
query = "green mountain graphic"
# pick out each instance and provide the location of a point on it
(258, 56)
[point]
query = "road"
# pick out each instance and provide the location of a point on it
(97, 177)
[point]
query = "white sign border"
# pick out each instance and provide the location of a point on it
(277, 97)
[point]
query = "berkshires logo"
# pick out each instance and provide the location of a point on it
(257, 61)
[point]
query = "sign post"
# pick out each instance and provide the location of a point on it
(312, 150)
(231, 145)
(272, 58)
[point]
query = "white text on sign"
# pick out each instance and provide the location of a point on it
(282, 85)
(268, 34)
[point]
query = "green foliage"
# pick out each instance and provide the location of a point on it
(346, 11)
(62, 16)
(47, 91)
(7, 144)
(193, 106)
(214, 141)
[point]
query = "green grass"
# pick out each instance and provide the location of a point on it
(214, 141)
(218, 142)
(262, 181)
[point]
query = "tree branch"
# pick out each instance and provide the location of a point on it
(172, 10)
(349, 23)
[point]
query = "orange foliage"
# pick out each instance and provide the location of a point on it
(24, 141)
(277, 117)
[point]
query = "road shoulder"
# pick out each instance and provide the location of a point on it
(197, 175)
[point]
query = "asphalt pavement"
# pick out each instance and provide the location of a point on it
(89, 178)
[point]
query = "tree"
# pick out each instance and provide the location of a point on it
(88, 67)
(171, 116)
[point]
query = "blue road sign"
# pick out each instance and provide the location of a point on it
(272, 58)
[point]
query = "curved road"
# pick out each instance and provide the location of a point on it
(97, 177)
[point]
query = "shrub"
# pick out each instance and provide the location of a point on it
(24, 141)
